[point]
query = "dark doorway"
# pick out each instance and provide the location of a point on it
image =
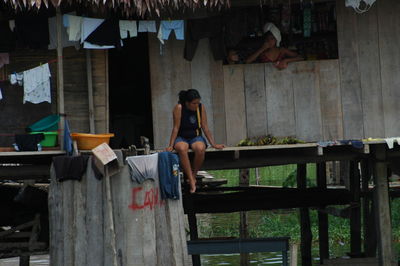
(129, 93)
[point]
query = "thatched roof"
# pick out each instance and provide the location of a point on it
(129, 7)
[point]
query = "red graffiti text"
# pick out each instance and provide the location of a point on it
(151, 198)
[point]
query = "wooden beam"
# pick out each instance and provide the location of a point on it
(322, 217)
(24, 260)
(369, 232)
(265, 199)
(24, 172)
(244, 181)
(19, 245)
(355, 212)
(382, 211)
(193, 231)
(194, 235)
(306, 234)
(60, 78)
(90, 90)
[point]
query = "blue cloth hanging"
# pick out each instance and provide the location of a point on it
(68, 147)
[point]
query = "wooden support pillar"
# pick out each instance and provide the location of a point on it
(60, 78)
(382, 209)
(193, 231)
(367, 206)
(90, 91)
(24, 261)
(306, 235)
(355, 211)
(244, 181)
(323, 225)
(344, 173)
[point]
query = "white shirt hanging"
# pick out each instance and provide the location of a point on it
(37, 85)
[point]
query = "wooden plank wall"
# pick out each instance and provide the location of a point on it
(148, 230)
(170, 73)
(369, 65)
(16, 115)
(355, 96)
(100, 90)
(389, 38)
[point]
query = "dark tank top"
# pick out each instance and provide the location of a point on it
(190, 123)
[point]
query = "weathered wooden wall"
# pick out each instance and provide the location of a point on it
(148, 231)
(247, 100)
(369, 67)
(170, 73)
(15, 115)
(355, 96)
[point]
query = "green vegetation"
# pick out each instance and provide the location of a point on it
(283, 222)
(268, 140)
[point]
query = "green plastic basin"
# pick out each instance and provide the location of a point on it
(49, 123)
(50, 138)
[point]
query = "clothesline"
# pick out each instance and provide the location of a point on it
(48, 62)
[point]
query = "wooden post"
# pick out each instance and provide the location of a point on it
(306, 235)
(110, 216)
(257, 171)
(322, 216)
(382, 209)
(244, 181)
(344, 173)
(369, 227)
(355, 211)
(194, 235)
(60, 78)
(90, 91)
(293, 254)
(24, 260)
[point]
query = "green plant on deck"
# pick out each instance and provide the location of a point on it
(268, 140)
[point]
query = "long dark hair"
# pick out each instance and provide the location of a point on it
(188, 96)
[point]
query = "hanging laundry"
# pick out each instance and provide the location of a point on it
(147, 26)
(4, 59)
(68, 147)
(11, 23)
(88, 26)
(16, 78)
(127, 29)
(70, 167)
(28, 142)
(64, 36)
(307, 21)
(211, 28)
(143, 167)
(168, 172)
(7, 40)
(74, 25)
(32, 30)
(37, 84)
(160, 36)
(390, 142)
(107, 33)
(13, 78)
(174, 25)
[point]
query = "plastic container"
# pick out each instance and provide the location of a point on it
(49, 123)
(50, 138)
(90, 141)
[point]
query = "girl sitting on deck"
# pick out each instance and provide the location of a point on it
(190, 119)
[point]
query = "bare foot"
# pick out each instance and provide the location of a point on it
(192, 184)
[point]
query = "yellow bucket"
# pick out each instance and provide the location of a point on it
(90, 141)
